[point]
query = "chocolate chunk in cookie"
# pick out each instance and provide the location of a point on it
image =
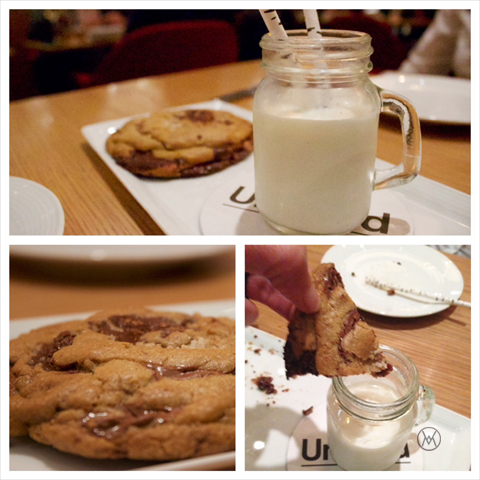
(181, 143)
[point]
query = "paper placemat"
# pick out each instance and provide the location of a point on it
(308, 446)
(231, 210)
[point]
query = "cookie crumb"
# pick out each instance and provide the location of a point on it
(391, 292)
(308, 411)
(265, 384)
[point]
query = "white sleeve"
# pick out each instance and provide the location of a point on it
(444, 48)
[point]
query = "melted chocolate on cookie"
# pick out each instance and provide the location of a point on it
(128, 328)
(112, 424)
(45, 355)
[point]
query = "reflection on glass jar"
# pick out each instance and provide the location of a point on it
(370, 419)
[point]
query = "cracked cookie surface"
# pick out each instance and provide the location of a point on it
(181, 143)
(335, 341)
(132, 383)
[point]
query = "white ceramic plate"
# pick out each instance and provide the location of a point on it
(271, 419)
(181, 206)
(119, 254)
(435, 98)
(34, 210)
(27, 455)
(173, 204)
(414, 266)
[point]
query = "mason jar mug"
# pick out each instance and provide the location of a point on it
(315, 119)
(369, 419)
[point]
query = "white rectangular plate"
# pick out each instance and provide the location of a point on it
(28, 455)
(176, 205)
(271, 419)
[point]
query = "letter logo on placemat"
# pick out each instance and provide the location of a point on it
(429, 438)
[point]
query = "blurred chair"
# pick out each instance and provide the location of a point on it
(165, 48)
(389, 51)
(21, 80)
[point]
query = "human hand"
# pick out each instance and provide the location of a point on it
(279, 278)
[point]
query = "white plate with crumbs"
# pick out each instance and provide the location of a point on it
(411, 266)
(28, 455)
(272, 418)
(34, 209)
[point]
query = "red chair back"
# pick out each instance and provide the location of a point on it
(165, 48)
(389, 51)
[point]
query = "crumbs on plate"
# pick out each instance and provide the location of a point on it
(265, 384)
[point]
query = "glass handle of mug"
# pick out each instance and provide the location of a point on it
(412, 142)
(425, 402)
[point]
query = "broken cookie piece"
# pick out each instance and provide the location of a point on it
(335, 341)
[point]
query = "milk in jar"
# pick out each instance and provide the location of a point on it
(314, 169)
(358, 444)
(315, 126)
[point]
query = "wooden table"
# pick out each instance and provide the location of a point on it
(46, 144)
(439, 345)
(41, 287)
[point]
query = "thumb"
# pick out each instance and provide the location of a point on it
(286, 267)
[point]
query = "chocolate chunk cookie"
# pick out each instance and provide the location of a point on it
(181, 143)
(336, 341)
(134, 383)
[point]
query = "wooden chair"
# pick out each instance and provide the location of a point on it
(165, 48)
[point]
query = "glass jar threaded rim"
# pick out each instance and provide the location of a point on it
(407, 374)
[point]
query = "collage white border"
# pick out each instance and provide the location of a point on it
(5, 240)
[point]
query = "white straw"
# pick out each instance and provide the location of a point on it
(312, 23)
(413, 291)
(273, 23)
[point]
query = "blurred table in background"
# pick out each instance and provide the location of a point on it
(47, 146)
(439, 344)
(77, 41)
(40, 287)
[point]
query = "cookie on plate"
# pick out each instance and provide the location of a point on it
(181, 143)
(336, 341)
(134, 383)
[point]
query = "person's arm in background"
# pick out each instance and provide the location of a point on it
(444, 48)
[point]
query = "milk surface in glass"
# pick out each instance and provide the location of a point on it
(314, 169)
(357, 444)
